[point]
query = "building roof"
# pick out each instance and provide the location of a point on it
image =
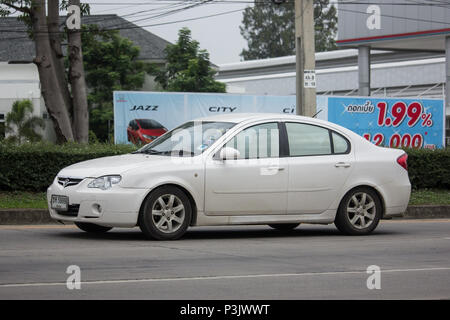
(16, 46)
(337, 61)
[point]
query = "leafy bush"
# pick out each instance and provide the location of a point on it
(33, 166)
(429, 168)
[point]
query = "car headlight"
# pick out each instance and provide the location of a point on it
(149, 137)
(105, 182)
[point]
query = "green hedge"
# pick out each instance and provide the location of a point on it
(429, 168)
(33, 166)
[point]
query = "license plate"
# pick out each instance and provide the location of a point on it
(60, 203)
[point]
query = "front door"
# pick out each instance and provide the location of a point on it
(253, 184)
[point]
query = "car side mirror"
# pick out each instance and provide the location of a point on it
(228, 153)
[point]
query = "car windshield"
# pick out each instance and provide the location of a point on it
(149, 124)
(189, 139)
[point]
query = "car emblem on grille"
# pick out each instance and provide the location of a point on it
(66, 182)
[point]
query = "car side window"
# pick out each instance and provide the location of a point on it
(257, 142)
(340, 144)
(307, 140)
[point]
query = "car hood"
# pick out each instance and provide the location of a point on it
(110, 165)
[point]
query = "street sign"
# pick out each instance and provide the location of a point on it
(309, 79)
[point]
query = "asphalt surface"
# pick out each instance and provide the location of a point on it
(256, 262)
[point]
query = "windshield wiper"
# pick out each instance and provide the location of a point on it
(173, 152)
(149, 151)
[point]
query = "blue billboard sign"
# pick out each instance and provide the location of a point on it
(140, 117)
(392, 122)
(134, 110)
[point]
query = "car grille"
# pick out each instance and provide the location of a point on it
(72, 211)
(68, 182)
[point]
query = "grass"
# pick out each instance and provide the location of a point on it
(37, 200)
(430, 196)
(23, 200)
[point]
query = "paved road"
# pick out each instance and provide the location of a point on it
(311, 262)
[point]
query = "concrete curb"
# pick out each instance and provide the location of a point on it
(42, 216)
(427, 212)
(25, 216)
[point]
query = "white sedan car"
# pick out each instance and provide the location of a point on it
(241, 169)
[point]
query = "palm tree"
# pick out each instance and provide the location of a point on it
(21, 124)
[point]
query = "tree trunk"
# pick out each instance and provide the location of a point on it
(50, 88)
(78, 85)
(57, 54)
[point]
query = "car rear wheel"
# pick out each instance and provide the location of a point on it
(166, 214)
(92, 228)
(284, 226)
(359, 212)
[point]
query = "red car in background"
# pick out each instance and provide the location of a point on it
(143, 131)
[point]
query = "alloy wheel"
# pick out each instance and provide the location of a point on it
(168, 213)
(361, 210)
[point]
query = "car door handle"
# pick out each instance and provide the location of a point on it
(342, 165)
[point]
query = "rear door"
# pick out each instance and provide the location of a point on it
(320, 161)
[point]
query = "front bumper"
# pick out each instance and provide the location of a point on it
(116, 207)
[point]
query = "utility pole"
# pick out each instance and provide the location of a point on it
(305, 57)
(447, 88)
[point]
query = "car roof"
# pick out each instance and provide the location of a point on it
(241, 117)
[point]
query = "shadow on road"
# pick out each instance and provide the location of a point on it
(205, 233)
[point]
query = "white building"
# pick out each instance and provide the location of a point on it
(393, 74)
(19, 78)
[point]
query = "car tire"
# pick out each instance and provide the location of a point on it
(359, 212)
(284, 226)
(92, 228)
(166, 214)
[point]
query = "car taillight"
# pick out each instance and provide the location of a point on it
(402, 160)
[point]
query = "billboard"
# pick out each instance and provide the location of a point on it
(392, 122)
(168, 110)
(374, 23)
(140, 117)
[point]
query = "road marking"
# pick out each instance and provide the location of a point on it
(223, 277)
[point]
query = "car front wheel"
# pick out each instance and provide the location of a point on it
(166, 214)
(359, 212)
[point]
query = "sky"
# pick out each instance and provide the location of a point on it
(219, 34)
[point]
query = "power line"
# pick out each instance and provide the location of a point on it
(156, 24)
(227, 12)
(128, 22)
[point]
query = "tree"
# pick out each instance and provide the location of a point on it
(78, 84)
(21, 125)
(188, 68)
(111, 64)
(270, 29)
(61, 102)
